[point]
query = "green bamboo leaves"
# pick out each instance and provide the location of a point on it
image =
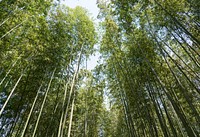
(152, 55)
(146, 85)
(35, 39)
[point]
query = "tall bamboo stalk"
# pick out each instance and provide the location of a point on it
(42, 106)
(8, 98)
(30, 113)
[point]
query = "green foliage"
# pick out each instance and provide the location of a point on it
(36, 38)
(146, 85)
(151, 58)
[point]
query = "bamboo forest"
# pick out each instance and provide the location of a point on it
(146, 82)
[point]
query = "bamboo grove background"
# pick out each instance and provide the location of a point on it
(149, 69)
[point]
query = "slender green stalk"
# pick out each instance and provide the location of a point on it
(30, 113)
(72, 88)
(8, 98)
(42, 106)
(8, 72)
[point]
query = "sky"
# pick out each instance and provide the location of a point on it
(93, 10)
(90, 5)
